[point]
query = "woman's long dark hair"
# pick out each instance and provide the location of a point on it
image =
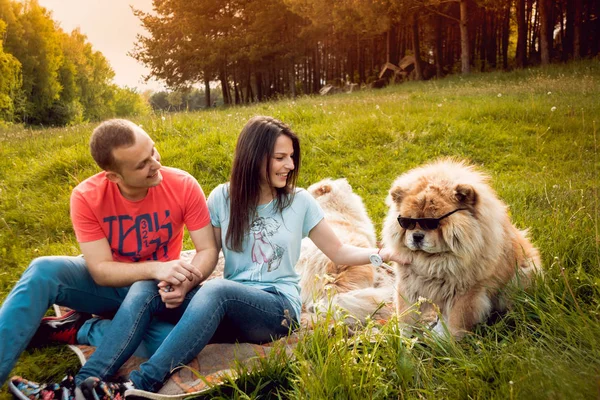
(255, 145)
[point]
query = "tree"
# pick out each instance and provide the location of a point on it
(34, 41)
(10, 80)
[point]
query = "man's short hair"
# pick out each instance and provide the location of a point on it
(108, 136)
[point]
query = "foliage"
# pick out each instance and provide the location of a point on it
(535, 131)
(49, 77)
(10, 80)
(182, 100)
(128, 102)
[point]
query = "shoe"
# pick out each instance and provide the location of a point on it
(24, 389)
(53, 330)
(95, 389)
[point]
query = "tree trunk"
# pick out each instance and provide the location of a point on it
(465, 45)
(438, 49)
(521, 34)
(391, 54)
(417, 48)
(545, 31)
(505, 36)
(224, 87)
(316, 70)
(207, 102)
(534, 30)
(491, 50)
(292, 79)
(577, 32)
(567, 41)
(483, 27)
(361, 60)
(259, 86)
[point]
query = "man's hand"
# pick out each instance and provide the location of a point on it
(174, 295)
(176, 272)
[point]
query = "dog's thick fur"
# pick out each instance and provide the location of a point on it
(465, 264)
(346, 214)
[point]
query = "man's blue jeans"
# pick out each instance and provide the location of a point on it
(64, 281)
(220, 309)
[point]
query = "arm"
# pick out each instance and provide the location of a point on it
(204, 262)
(107, 272)
(327, 241)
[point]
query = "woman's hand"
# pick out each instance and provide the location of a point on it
(174, 295)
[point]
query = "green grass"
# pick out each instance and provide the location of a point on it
(535, 131)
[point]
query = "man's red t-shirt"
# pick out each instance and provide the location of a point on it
(144, 230)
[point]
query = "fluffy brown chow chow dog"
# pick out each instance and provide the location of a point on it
(464, 248)
(346, 214)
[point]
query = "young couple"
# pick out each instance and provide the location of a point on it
(129, 223)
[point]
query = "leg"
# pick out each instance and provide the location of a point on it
(467, 311)
(258, 315)
(93, 331)
(126, 332)
(62, 280)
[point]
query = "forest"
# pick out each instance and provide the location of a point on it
(257, 50)
(264, 49)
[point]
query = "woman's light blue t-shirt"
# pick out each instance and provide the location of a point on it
(272, 248)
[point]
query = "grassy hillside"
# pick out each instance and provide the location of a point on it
(536, 132)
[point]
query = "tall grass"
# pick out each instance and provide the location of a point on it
(534, 131)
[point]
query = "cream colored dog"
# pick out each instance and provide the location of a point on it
(320, 277)
(464, 248)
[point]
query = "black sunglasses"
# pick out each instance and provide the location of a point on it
(425, 223)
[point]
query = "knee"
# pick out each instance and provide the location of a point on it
(143, 292)
(143, 288)
(218, 287)
(44, 269)
(214, 293)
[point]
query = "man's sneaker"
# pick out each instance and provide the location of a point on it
(95, 389)
(24, 389)
(63, 329)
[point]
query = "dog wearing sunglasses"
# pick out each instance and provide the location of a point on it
(465, 250)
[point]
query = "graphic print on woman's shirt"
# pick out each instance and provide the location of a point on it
(263, 250)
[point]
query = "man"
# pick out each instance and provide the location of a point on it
(129, 221)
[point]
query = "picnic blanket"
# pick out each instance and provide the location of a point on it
(210, 368)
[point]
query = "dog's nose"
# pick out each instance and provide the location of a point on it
(418, 237)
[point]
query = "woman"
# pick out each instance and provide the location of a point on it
(259, 219)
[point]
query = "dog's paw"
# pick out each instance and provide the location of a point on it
(440, 330)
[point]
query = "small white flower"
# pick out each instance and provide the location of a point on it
(549, 93)
(499, 94)
(553, 109)
(377, 106)
(439, 104)
(163, 118)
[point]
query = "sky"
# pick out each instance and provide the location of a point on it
(111, 28)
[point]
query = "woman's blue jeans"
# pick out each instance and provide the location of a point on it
(64, 281)
(218, 311)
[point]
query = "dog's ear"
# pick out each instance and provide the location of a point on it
(323, 189)
(465, 194)
(397, 193)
